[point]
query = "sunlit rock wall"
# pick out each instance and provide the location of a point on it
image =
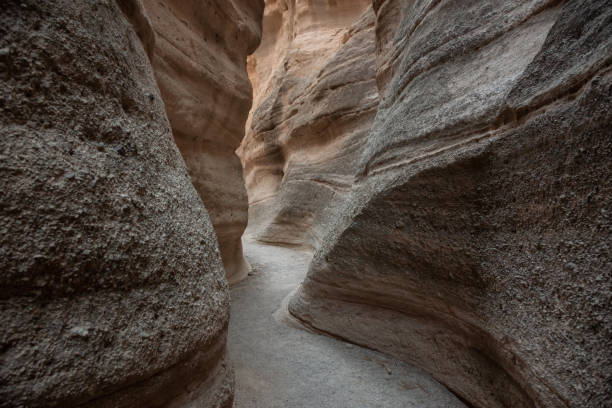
(315, 98)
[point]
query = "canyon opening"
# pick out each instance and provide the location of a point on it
(306, 203)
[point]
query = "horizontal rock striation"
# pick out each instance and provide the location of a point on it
(199, 60)
(475, 242)
(113, 290)
(315, 98)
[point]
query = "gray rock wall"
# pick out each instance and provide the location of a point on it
(113, 292)
(476, 241)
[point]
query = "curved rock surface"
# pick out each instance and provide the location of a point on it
(113, 290)
(199, 60)
(315, 98)
(475, 242)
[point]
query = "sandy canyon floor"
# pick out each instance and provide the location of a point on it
(279, 364)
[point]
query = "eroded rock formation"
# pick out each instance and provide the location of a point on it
(468, 231)
(315, 98)
(113, 290)
(476, 240)
(199, 59)
(447, 162)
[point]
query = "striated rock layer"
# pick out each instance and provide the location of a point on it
(475, 242)
(199, 59)
(315, 98)
(113, 290)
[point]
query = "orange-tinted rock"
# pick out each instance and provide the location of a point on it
(199, 59)
(315, 98)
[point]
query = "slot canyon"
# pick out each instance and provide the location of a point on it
(305, 203)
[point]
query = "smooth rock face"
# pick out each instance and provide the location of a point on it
(315, 98)
(476, 240)
(113, 291)
(199, 60)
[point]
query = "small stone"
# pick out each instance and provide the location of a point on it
(79, 331)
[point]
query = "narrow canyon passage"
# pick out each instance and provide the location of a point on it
(427, 179)
(281, 365)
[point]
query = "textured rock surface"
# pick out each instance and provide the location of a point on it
(113, 291)
(199, 59)
(476, 240)
(315, 98)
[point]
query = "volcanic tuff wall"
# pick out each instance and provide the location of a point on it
(199, 60)
(315, 98)
(465, 228)
(468, 231)
(476, 242)
(113, 290)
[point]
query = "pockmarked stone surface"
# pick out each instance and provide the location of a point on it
(113, 293)
(442, 169)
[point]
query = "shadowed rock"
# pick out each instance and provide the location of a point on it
(113, 291)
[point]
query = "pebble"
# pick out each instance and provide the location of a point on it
(79, 331)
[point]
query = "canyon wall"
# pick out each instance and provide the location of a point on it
(465, 228)
(113, 288)
(199, 60)
(315, 98)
